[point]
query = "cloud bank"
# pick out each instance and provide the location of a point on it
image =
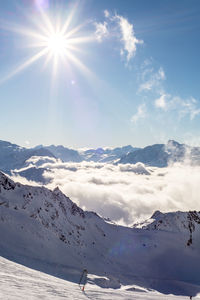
(126, 193)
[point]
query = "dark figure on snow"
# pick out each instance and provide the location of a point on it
(83, 279)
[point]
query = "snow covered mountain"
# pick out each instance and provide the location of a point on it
(14, 157)
(34, 164)
(94, 155)
(45, 230)
(65, 154)
(160, 155)
(188, 222)
(106, 155)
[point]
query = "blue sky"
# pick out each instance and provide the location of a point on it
(133, 80)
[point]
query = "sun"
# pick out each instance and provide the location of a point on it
(53, 38)
(57, 44)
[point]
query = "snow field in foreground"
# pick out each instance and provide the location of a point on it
(21, 283)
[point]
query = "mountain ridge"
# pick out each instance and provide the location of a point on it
(43, 229)
(32, 163)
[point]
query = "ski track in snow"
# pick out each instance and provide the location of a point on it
(21, 283)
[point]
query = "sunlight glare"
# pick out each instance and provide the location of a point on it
(57, 44)
(57, 41)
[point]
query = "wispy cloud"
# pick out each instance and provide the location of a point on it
(106, 13)
(140, 114)
(101, 31)
(186, 107)
(183, 107)
(152, 79)
(161, 102)
(128, 38)
(119, 28)
(152, 83)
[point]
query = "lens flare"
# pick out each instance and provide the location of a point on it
(44, 4)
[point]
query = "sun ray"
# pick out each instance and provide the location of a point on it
(49, 29)
(21, 30)
(79, 40)
(24, 65)
(30, 33)
(68, 21)
(73, 31)
(74, 48)
(79, 64)
(55, 66)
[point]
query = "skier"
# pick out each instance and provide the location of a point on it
(83, 279)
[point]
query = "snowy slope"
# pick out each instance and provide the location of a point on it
(18, 282)
(45, 230)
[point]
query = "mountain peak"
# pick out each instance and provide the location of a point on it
(173, 143)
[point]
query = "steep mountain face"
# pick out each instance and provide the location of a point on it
(185, 222)
(45, 230)
(33, 174)
(13, 156)
(160, 155)
(152, 155)
(65, 154)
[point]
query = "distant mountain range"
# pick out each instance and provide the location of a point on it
(44, 229)
(161, 155)
(14, 157)
(157, 155)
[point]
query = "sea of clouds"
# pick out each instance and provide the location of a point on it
(127, 193)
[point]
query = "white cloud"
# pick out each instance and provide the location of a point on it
(121, 194)
(106, 13)
(161, 102)
(101, 31)
(152, 79)
(127, 37)
(138, 168)
(118, 24)
(161, 74)
(183, 107)
(141, 113)
(186, 107)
